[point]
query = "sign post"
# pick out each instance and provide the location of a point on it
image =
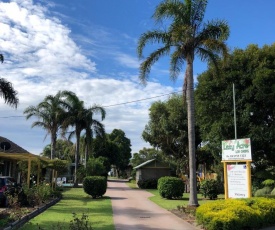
(237, 178)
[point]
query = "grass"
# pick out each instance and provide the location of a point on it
(132, 184)
(172, 204)
(98, 211)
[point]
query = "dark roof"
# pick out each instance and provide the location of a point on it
(14, 148)
(15, 152)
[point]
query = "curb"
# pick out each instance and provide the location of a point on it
(19, 223)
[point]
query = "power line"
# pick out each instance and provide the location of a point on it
(144, 99)
(123, 103)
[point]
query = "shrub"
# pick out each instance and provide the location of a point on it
(263, 192)
(237, 214)
(95, 167)
(95, 186)
(210, 188)
(268, 183)
(148, 184)
(170, 187)
(273, 192)
(37, 194)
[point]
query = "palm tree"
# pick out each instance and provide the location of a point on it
(50, 114)
(92, 126)
(185, 38)
(81, 119)
(7, 91)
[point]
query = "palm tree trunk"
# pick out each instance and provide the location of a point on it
(53, 146)
(76, 159)
(193, 200)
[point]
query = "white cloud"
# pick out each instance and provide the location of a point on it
(42, 58)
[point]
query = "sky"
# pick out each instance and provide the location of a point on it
(89, 47)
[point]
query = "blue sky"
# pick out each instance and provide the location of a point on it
(89, 47)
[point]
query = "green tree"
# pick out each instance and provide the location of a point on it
(50, 114)
(123, 155)
(92, 126)
(186, 37)
(64, 150)
(144, 155)
(7, 91)
(163, 131)
(80, 118)
(252, 72)
(114, 146)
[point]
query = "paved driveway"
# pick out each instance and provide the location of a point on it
(132, 210)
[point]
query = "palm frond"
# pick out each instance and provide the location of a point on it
(8, 93)
(170, 9)
(176, 63)
(155, 36)
(215, 29)
(145, 66)
(1, 58)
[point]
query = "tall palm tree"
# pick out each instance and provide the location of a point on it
(93, 126)
(186, 37)
(50, 114)
(79, 118)
(7, 91)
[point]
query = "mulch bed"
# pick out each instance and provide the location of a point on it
(186, 216)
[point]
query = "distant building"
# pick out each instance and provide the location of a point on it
(152, 169)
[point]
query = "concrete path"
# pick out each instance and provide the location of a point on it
(132, 210)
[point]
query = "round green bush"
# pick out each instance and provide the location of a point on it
(210, 188)
(263, 192)
(148, 184)
(95, 186)
(170, 187)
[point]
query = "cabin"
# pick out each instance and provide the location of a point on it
(152, 169)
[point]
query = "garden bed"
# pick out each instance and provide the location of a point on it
(17, 217)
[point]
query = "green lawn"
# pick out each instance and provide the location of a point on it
(172, 204)
(99, 212)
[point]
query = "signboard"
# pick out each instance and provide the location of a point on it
(237, 181)
(239, 149)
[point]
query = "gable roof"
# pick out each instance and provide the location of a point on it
(144, 163)
(14, 148)
(14, 151)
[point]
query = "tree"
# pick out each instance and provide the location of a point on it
(80, 118)
(64, 150)
(7, 91)
(163, 131)
(185, 38)
(114, 146)
(93, 126)
(123, 155)
(252, 72)
(50, 114)
(144, 155)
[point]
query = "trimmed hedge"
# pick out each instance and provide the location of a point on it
(237, 214)
(95, 186)
(170, 187)
(148, 184)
